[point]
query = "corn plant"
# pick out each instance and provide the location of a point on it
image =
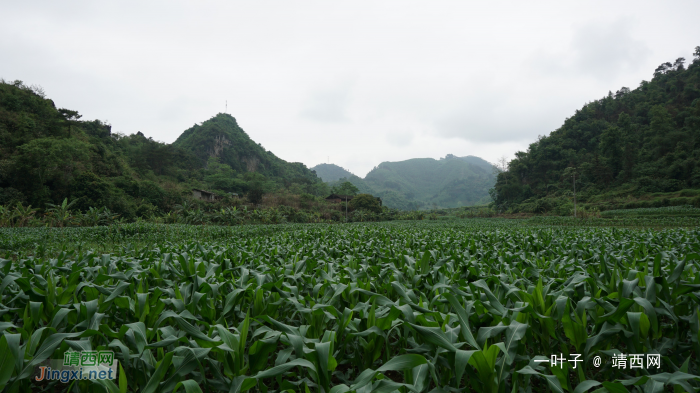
(475, 306)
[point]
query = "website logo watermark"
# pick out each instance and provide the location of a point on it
(619, 360)
(84, 365)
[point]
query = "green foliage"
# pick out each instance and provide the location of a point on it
(61, 215)
(222, 137)
(49, 164)
(91, 191)
(360, 184)
(11, 196)
(26, 115)
(366, 202)
(223, 177)
(49, 154)
(255, 193)
(639, 141)
(470, 305)
(345, 188)
(683, 211)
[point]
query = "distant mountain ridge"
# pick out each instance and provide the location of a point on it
(422, 183)
(47, 154)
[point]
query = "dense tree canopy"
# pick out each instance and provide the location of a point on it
(644, 140)
(48, 154)
(345, 188)
(366, 202)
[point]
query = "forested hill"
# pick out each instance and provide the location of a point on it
(220, 140)
(331, 172)
(48, 154)
(624, 145)
(423, 183)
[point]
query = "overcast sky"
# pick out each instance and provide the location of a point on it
(361, 82)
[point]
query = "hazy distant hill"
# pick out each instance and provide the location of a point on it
(331, 172)
(448, 182)
(424, 182)
(480, 162)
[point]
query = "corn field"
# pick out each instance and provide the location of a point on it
(463, 306)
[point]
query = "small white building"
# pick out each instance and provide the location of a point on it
(203, 195)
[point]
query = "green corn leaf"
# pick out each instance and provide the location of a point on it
(399, 363)
(650, 312)
(242, 384)
(485, 362)
(323, 355)
(552, 380)
(495, 303)
(615, 387)
(190, 385)
(123, 384)
(159, 373)
(283, 368)
(586, 385)
(487, 332)
(7, 362)
(461, 361)
(434, 336)
(463, 316)
(107, 385)
(45, 351)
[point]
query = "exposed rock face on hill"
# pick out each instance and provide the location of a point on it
(219, 143)
(222, 137)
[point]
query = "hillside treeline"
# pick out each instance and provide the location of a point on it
(632, 142)
(48, 154)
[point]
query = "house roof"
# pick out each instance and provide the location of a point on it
(206, 192)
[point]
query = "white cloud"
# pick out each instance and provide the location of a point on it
(361, 82)
(328, 104)
(598, 50)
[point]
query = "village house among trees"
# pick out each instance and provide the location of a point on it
(337, 198)
(203, 195)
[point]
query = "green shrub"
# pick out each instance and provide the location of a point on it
(10, 196)
(696, 201)
(367, 202)
(146, 210)
(690, 192)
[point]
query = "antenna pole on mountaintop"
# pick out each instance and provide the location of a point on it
(226, 106)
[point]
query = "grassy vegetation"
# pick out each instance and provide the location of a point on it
(632, 199)
(403, 306)
(674, 211)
